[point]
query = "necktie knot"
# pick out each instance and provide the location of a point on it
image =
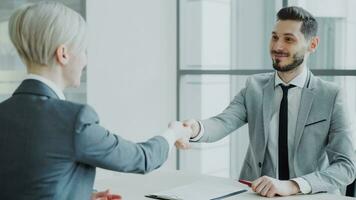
(285, 88)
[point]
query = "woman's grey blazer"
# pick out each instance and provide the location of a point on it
(49, 148)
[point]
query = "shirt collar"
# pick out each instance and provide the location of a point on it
(298, 81)
(49, 83)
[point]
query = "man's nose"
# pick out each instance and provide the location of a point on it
(278, 45)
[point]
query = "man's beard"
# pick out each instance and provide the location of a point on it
(297, 60)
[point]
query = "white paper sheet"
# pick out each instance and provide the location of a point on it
(202, 190)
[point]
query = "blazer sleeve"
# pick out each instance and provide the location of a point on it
(340, 152)
(232, 118)
(96, 146)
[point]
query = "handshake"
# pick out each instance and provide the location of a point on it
(184, 131)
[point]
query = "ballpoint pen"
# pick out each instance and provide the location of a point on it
(248, 183)
(162, 197)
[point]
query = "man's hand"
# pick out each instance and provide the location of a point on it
(195, 128)
(270, 187)
(183, 133)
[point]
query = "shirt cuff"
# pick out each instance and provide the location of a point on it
(200, 134)
(170, 136)
(304, 185)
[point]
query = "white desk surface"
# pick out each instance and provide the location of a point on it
(134, 187)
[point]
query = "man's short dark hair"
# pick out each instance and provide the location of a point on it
(309, 26)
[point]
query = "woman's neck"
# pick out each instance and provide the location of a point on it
(51, 73)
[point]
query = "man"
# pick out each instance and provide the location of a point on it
(50, 147)
(300, 138)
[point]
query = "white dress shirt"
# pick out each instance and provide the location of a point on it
(294, 95)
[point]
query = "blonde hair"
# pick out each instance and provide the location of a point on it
(37, 30)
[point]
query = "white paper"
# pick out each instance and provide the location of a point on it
(202, 190)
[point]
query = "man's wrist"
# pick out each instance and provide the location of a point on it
(295, 187)
(196, 133)
(199, 133)
(303, 185)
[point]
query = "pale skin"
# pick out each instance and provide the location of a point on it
(67, 70)
(105, 195)
(287, 40)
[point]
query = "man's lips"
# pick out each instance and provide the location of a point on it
(280, 56)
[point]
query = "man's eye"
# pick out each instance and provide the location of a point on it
(274, 38)
(289, 39)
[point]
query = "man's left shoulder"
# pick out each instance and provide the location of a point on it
(325, 87)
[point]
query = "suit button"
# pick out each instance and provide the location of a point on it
(259, 164)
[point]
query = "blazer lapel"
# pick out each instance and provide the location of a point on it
(268, 92)
(306, 102)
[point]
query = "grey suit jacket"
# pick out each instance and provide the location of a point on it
(323, 154)
(49, 148)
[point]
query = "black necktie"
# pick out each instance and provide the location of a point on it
(283, 166)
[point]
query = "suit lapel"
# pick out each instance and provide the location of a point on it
(268, 92)
(306, 102)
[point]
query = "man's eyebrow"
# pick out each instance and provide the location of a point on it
(289, 34)
(285, 34)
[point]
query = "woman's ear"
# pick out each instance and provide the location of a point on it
(62, 55)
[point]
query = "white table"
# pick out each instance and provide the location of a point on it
(134, 187)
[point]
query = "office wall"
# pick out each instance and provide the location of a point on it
(131, 79)
(205, 44)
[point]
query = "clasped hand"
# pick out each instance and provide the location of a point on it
(192, 125)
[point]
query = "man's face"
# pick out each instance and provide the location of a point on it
(288, 47)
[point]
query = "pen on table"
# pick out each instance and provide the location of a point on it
(248, 183)
(162, 197)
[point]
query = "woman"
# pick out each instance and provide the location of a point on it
(52, 146)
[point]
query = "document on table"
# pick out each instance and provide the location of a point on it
(201, 190)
